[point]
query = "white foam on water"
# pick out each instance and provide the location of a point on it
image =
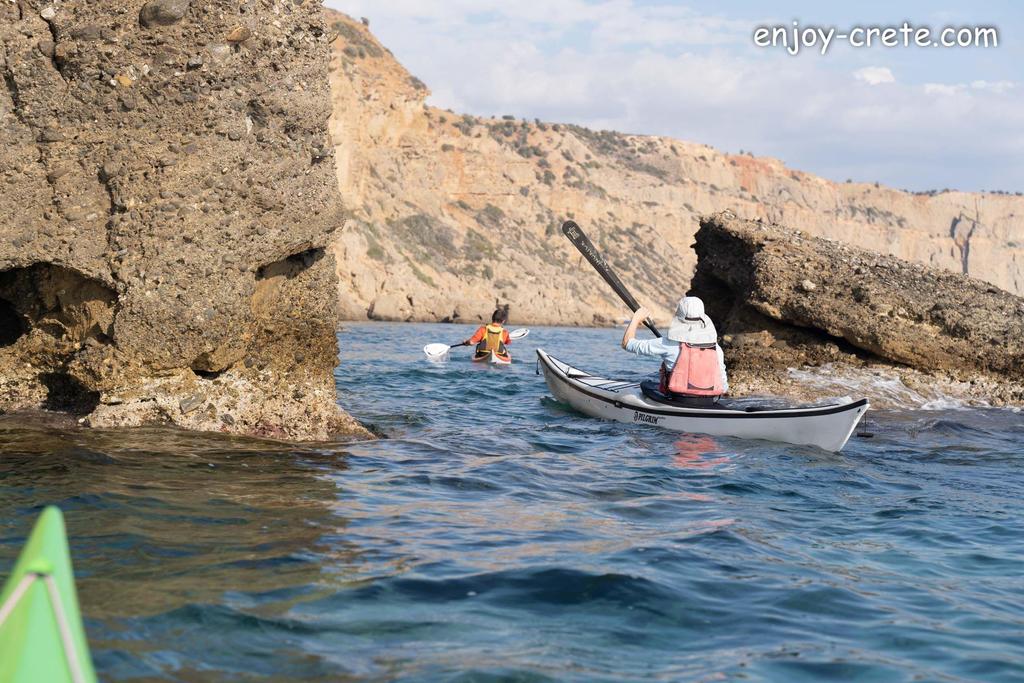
(948, 404)
(881, 386)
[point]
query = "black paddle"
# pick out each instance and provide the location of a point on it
(586, 247)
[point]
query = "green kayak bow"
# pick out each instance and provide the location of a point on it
(41, 634)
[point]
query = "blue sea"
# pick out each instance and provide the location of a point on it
(496, 535)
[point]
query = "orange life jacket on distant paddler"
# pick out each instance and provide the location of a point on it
(491, 337)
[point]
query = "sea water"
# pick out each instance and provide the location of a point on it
(497, 535)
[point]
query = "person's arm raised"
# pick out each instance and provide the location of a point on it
(639, 317)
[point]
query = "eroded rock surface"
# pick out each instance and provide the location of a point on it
(167, 196)
(783, 299)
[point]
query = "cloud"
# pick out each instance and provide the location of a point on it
(874, 75)
(609, 22)
(669, 70)
(999, 87)
(942, 89)
(995, 87)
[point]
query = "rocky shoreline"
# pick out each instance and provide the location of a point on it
(194, 193)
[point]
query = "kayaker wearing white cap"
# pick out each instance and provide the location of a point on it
(700, 377)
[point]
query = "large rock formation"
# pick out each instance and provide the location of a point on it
(168, 194)
(783, 299)
(452, 211)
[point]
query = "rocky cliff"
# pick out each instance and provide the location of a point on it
(451, 211)
(168, 194)
(785, 300)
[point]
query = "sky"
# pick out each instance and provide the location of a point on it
(917, 118)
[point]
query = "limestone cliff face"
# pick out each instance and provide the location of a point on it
(168, 194)
(450, 212)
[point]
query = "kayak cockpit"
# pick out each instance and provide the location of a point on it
(652, 391)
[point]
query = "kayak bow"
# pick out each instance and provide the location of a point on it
(827, 427)
(41, 634)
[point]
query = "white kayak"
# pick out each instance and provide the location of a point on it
(827, 427)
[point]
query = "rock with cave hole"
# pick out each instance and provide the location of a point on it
(149, 253)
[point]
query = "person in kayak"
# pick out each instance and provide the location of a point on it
(492, 338)
(692, 363)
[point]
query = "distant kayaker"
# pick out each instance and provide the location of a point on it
(692, 363)
(492, 338)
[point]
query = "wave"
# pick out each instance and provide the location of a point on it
(884, 388)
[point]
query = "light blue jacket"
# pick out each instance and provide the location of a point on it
(668, 351)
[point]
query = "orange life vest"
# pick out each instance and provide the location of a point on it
(493, 340)
(696, 372)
